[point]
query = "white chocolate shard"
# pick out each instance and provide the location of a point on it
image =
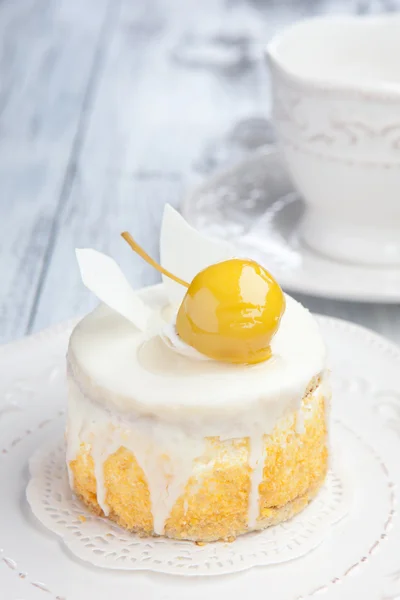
(102, 276)
(185, 252)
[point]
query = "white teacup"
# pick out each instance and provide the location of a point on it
(336, 106)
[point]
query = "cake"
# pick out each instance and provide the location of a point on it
(164, 440)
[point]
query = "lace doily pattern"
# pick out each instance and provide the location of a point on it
(103, 544)
(358, 558)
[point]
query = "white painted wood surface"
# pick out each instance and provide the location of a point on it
(109, 109)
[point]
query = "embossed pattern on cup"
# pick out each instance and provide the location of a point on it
(336, 108)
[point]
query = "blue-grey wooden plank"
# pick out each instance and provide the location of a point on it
(48, 51)
(182, 90)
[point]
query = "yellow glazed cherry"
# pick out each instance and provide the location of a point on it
(231, 312)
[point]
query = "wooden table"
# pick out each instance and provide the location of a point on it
(109, 109)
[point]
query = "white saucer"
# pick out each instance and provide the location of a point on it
(254, 205)
(358, 559)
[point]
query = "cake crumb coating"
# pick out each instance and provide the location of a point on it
(214, 505)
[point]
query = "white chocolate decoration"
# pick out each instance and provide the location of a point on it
(102, 276)
(185, 252)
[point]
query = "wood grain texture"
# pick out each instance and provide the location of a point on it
(179, 87)
(122, 203)
(109, 109)
(48, 52)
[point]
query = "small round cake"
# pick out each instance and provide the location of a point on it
(202, 450)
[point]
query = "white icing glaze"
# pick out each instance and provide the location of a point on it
(256, 462)
(128, 390)
(168, 454)
(163, 451)
(170, 337)
(135, 373)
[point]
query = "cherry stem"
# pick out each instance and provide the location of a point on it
(139, 250)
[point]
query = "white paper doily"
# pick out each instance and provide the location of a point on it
(359, 558)
(106, 545)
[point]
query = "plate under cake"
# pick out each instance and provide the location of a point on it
(197, 450)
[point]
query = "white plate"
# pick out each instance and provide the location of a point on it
(254, 205)
(359, 559)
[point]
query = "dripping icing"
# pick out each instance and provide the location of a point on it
(157, 448)
(256, 463)
(166, 455)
